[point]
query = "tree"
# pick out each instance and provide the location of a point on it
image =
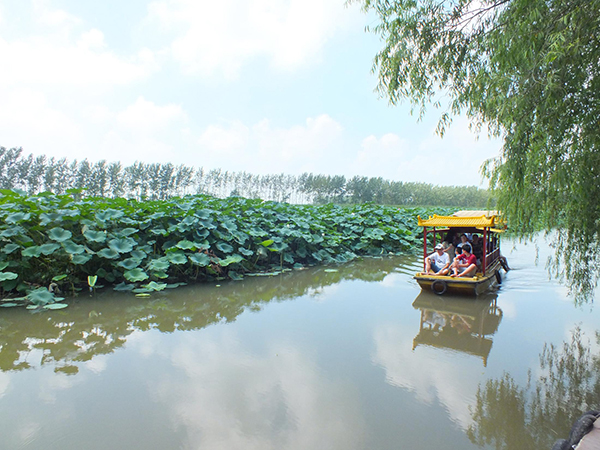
(529, 70)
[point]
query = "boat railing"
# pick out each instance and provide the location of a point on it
(492, 257)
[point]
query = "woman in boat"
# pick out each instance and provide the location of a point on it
(465, 264)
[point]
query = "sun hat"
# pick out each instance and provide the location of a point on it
(439, 247)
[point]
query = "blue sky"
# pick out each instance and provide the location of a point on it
(265, 86)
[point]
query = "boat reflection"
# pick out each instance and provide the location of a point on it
(464, 325)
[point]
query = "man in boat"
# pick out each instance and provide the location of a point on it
(465, 264)
(438, 262)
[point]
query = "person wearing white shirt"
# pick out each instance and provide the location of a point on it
(438, 262)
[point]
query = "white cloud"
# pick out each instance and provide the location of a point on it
(83, 62)
(147, 117)
(26, 119)
(263, 148)
(454, 159)
(220, 37)
(427, 373)
(226, 396)
(43, 14)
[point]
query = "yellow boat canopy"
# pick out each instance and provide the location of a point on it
(465, 219)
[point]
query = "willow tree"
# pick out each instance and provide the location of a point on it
(529, 71)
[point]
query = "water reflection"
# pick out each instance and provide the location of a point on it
(461, 324)
(100, 325)
(510, 416)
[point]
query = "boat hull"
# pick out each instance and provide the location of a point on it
(461, 286)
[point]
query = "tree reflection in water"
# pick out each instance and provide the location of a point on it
(100, 326)
(509, 416)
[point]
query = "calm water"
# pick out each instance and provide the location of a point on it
(354, 359)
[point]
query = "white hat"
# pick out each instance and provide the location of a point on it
(439, 247)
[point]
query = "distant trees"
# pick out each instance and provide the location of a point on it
(160, 181)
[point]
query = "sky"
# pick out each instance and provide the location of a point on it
(263, 86)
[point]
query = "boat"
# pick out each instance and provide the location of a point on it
(486, 224)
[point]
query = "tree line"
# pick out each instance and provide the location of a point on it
(159, 181)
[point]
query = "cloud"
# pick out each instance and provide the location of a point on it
(429, 377)
(61, 51)
(265, 149)
(221, 37)
(454, 159)
(227, 396)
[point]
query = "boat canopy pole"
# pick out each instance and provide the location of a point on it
(484, 259)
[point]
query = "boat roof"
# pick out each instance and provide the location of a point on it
(466, 219)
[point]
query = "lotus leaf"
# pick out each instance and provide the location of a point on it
(81, 258)
(3, 265)
(9, 305)
(154, 286)
(278, 246)
(204, 245)
(7, 276)
(108, 253)
(59, 234)
(122, 245)
(124, 287)
(109, 214)
(189, 220)
(46, 218)
(159, 231)
(95, 236)
(41, 296)
(208, 224)
(129, 263)
(234, 275)
(231, 259)
(245, 251)
(48, 249)
(126, 232)
(203, 214)
(136, 274)
(200, 259)
(72, 248)
(59, 277)
(267, 242)
(160, 274)
(185, 245)
(9, 248)
(32, 252)
(177, 257)
(17, 217)
(139, 254)
(16, 230)
(224, 247)
(159, 264)
(55, 306)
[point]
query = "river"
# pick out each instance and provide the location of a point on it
(348, 357)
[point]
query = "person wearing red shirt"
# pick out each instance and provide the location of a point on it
(465, 264)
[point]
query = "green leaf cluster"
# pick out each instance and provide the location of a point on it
(68, 241)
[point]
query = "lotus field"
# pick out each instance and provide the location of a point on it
(54, 245)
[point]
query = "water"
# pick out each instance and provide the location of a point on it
(354, 359)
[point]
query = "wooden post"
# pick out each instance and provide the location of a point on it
(483, 261)
(424, 247)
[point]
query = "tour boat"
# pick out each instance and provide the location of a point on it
(486, 224)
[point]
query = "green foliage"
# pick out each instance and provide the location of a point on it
(114, 241)
(529, 70)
